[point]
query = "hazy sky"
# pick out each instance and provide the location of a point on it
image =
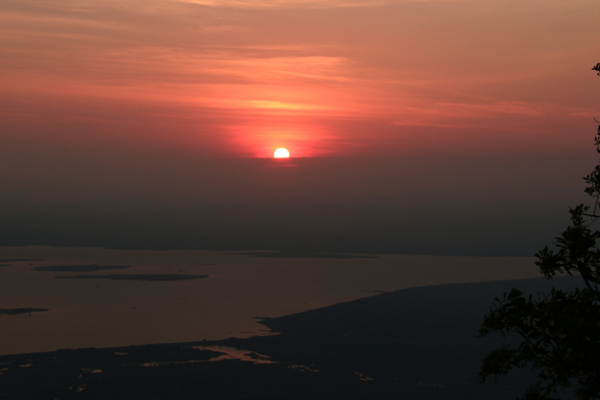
(142, 121)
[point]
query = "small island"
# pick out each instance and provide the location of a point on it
(137, 277)
(80, 268)
(17, 311)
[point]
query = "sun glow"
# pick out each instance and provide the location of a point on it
(281, 153)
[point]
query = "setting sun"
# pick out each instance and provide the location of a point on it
(281, 153)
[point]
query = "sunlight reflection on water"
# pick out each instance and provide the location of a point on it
(231, 353)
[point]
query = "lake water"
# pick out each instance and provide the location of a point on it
(239, 288)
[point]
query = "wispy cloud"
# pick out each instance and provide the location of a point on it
(492, 109)
(472, 114)
(379, 62)
(278, 105)
(270, 4)
(310, 4)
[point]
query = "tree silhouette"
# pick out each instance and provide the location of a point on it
(559, 331)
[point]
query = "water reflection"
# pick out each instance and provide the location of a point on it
(231, 353)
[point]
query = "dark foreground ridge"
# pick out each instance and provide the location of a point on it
(409, 344)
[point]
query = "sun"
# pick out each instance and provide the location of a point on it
(281, 153)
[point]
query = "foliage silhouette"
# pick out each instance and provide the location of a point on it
(559, 331)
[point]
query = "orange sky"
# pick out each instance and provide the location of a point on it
(324, 77)
(143, 123)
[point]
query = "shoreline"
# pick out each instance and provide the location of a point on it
(411, 342)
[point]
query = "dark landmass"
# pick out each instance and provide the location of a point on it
(15, 311)
(286, 254)
(80, 268)
(137, 277)
(9, 260)
(4, 265)
(416, 344)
